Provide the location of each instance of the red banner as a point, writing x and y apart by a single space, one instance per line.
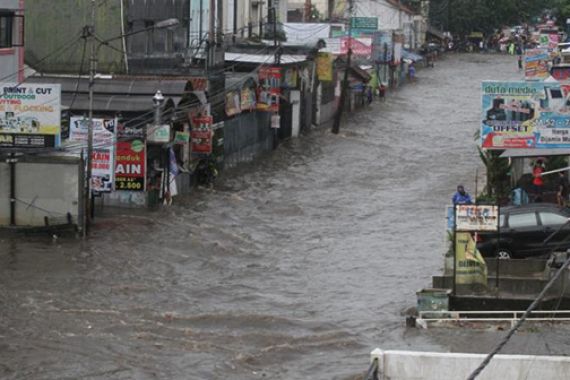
130 165
202 134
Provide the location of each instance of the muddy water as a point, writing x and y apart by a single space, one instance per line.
295 267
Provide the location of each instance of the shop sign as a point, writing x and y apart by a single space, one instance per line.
536 64
525 115
290 78
181 137
549 41
202 135
130 165
30 115
275 121
325 67
476 218
158 134
102 167
470 267
233 103
248 101
364 25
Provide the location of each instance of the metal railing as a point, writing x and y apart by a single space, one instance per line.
372 373
425 317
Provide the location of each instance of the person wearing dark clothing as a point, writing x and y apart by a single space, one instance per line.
461 197
562 194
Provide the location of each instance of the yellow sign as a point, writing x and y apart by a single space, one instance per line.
470 268
325 67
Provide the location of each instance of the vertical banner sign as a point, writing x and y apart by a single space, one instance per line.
470 267
30 115
525 115
325 67
102 158
202 135
269 88
536 64
130 165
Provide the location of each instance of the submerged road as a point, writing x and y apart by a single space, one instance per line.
295 267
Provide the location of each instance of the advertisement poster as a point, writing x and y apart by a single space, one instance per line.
360 46
102 167
536 64
130 165
290 78
470 268
202 135
339 9
477 218
525 115
382 47
30 115
248 99
233 103
269 89
549 41
325 67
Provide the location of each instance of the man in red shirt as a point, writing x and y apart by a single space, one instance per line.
537 181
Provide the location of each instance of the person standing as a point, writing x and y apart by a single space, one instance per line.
520 62
412 72
562 194
537 181
461 197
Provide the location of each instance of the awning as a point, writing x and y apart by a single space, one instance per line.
411 56
263 58
515 153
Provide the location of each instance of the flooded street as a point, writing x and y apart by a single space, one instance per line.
295 267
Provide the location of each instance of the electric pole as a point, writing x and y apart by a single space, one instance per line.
88 193
342 100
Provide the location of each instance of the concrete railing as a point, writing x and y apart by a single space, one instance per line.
410 365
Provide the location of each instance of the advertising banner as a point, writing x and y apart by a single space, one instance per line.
248 100
382 47
130 165
549 41
325 67
360 46
339 9
364 25
476 218
233 103
470 267
30 115
536 64
269 89
102 167
202 135
158 134
525 115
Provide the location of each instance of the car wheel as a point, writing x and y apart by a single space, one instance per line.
503 254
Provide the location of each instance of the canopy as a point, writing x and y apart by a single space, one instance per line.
411 56
535 152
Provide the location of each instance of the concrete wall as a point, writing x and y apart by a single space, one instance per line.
389 17
58 194
11 59
408 365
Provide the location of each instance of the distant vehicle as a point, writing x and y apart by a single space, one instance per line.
523 232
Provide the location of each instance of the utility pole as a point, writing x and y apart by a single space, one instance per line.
212 33
88 194
344 90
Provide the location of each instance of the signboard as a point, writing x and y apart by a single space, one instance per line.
363 25
382 47
476 217
536 64
560 73
30 115
549 41
525 115
130 165
290 78
158 134
470 267
202 135
248 100
181 138
325 67
102 167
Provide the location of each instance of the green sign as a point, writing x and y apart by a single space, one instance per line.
364 23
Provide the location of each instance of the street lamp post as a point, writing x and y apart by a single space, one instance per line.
168 23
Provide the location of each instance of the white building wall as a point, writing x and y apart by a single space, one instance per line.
12 58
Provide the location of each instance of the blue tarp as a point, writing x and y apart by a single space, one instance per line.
406 54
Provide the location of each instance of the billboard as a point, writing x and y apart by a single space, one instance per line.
30 115
382 47
536 64
102 158
525 115
130 165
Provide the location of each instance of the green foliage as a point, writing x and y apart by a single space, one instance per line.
462 17
498 174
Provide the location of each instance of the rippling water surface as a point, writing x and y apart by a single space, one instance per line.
295 267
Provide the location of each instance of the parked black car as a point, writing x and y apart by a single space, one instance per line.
523 232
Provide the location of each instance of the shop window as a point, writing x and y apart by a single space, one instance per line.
6 30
